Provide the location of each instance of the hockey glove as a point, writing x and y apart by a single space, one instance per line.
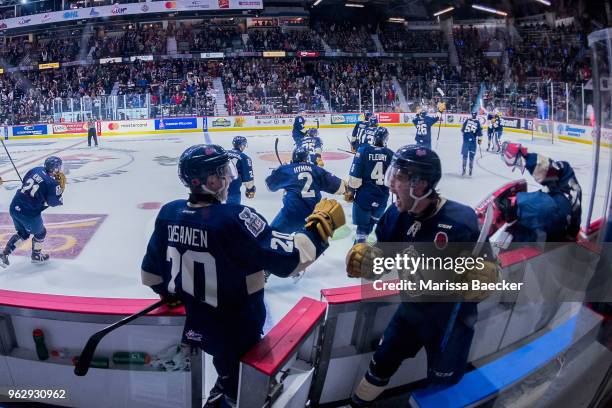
490 273
360 260
60 177
320 162
441 107
172 301
250 193
513 154
326 217
479 140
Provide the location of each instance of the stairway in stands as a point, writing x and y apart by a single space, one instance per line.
220 108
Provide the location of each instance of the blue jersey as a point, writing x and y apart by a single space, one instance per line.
471 129
213 257
38 191
303 183
497 124
367 176
423 126
358 133
244 166
314 145
298 127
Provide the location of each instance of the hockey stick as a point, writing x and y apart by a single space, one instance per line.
87 354
276 151
486 226
2 181
440 122
11 159
346 151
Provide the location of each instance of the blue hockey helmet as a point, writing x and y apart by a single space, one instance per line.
373 121
199 162
239 142
367 115
380 136
423 113
53 164
417 162
312 132
300 154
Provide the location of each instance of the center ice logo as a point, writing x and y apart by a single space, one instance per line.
67 234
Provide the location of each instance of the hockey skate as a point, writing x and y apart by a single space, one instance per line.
39 257
463 172
4 262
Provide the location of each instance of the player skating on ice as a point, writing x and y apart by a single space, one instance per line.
549 215
211 256
244 166
494 132
423 123
303 183
365 137
366 184
313 143
359 129
472 134
420 215
298 131
42 188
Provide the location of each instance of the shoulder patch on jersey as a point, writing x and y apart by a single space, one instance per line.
253 222
357 154
193 336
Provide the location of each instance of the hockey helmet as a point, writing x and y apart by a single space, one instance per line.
53 164
199 162
239 142
300 154
380 136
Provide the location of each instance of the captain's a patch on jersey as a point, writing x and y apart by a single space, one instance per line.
253 222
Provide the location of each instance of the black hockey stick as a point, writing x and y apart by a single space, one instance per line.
11 159
87 354
346 151
441 116
276 151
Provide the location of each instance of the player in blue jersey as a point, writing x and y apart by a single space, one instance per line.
496 129
298 131
366 135
313 143
423 123
359 129
366 184
211 257
42 188
303 183
244 166
550 215
472 134
490 118
420 216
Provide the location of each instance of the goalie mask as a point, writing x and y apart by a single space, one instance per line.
198 163
410 165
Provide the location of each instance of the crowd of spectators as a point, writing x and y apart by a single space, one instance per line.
397 38
207 38
346 36
274 38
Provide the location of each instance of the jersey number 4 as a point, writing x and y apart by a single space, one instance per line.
185 264
378 174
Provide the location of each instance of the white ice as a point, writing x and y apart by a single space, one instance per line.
109 265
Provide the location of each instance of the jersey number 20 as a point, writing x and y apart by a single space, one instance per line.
185 264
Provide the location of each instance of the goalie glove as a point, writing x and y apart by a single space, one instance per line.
326 217
360 260
250 193
60 177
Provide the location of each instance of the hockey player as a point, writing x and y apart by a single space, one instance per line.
420 215
298 131
244 166
366 136
211 256
490 118
496 132
42 188
423 123
366 185
303 183
472 133
359 129
313 143
553 215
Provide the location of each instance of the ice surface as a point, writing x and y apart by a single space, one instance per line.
97 239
